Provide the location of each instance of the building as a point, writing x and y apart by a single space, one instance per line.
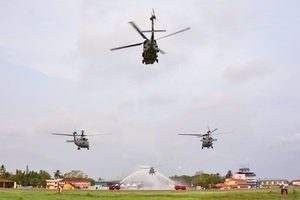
246 174
233 183
68 183
68 186
4 183
272 183
53 183
296 182
78 183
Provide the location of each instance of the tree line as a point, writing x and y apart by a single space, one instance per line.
201 179
38 178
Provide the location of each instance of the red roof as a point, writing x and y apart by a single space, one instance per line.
237 183
78 182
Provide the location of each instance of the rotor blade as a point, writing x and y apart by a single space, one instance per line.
220 133
62 134
153 14
132 45
144 167
96 134
150 31
138 30
193 134
174 33
161 51
214 130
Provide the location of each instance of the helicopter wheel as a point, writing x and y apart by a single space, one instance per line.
202 147
143 61
88 148
212 147
156 60
78 148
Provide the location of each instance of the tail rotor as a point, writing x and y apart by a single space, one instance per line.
153 17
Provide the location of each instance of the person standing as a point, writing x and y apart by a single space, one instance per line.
59 187
284 189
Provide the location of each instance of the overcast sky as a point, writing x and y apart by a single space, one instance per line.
237 69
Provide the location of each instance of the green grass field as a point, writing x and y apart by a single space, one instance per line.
262 194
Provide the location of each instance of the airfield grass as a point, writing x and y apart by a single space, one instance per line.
260 194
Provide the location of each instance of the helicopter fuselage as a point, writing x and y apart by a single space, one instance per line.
207 142
82 143
150 50
151 171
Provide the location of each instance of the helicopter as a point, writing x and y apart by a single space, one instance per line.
207 140
152 171
80 141
150 47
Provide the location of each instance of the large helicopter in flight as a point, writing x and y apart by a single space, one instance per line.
207 139
80 140
150 47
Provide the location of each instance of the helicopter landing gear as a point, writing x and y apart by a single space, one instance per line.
212 147
156 60
202 147
88 148
78 148
143 61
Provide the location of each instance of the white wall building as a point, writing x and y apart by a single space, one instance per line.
246 174
271 183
